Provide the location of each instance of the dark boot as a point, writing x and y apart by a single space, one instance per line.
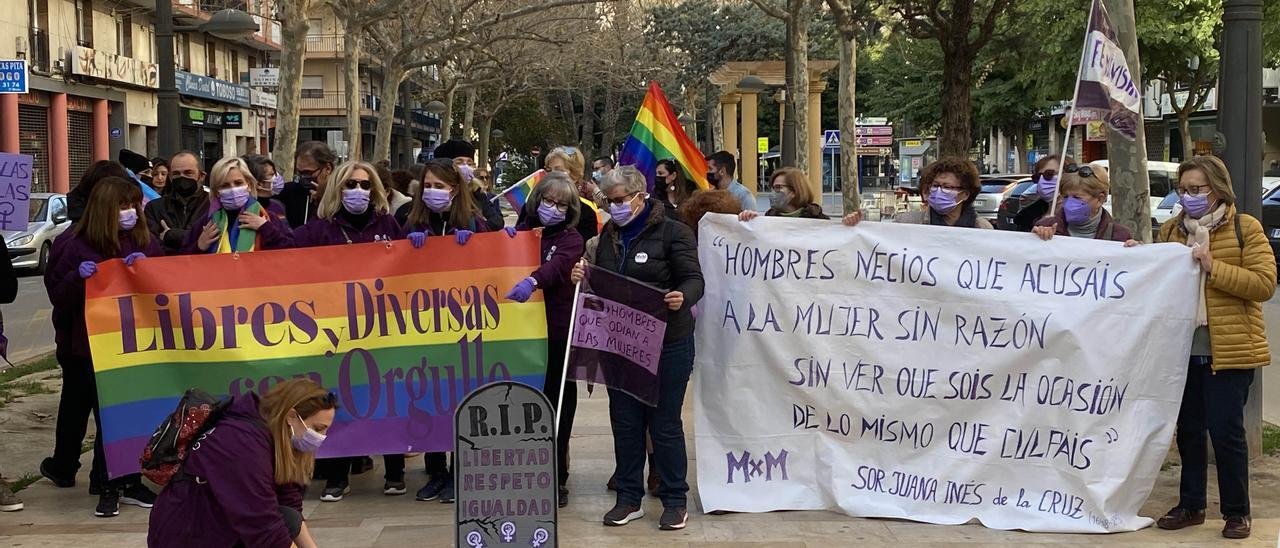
1181 518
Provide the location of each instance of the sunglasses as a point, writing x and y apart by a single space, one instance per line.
1084 171
353 183
1048 173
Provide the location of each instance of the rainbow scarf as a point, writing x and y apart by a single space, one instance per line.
245 239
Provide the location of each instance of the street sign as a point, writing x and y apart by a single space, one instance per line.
913 143
116 133
831 138
505 468
13 76
875 130
264 77
762 145
873 121
15 190
875 141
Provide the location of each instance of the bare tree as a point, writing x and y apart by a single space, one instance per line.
846 17
355 16
796 14
293 37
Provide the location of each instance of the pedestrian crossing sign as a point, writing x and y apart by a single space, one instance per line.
831 138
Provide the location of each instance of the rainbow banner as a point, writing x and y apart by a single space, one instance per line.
400 335
519 193
657 135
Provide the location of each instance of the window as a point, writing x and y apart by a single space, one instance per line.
182 45
235 66
84 22
124 35
38 37
211 58
312 87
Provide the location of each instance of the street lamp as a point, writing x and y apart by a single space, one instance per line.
686 119
752 84
436 107
228 24
496 134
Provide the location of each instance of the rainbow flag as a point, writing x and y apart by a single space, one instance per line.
400 340
519 193
657 135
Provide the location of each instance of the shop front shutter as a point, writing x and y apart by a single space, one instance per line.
80 143
33 129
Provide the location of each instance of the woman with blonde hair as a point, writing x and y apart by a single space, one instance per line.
1081 215
242 482
236 222
1237 274
353 210
569 160
792 197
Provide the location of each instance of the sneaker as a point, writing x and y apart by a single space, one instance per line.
431 491
334 493
446 494
9 502
1180 518
108 504
47 469
394 488
673 519
622 514
1237 527
138 495
564 496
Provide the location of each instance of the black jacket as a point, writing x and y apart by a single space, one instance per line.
1027 216
298 207
670 263
490 210
811 211
178 213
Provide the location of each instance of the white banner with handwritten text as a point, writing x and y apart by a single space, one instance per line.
937 374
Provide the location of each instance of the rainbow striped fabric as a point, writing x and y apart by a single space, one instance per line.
400 335
657 135
519 193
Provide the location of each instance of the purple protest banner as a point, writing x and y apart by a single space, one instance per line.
15 190
617 333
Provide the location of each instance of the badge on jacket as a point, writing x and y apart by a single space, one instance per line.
642 257
550 253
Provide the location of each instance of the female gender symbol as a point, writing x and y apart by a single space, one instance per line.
539 537
508 531
475 539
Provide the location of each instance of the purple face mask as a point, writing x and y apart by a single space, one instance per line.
943 201
234 198
355 200
277 184
1047 187
549 214
437 200
1076 211
128 219
1196 205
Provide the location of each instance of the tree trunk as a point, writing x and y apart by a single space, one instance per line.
469 115
798 94
715 123
610 128
293 33
486 128
848 125
351 79
446 119
589 121
392 75
957 86
1130 186
570 112
1184 129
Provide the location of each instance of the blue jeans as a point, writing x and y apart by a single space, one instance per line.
630 418
1213 410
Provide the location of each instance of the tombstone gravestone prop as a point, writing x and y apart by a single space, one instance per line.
505 468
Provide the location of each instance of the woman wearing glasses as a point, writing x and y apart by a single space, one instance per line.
1237 275
791 197
242 484
352 210
1080 212
952 184
236 221
1045 175
553 208
570 161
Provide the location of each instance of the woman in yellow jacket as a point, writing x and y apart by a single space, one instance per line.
1238 274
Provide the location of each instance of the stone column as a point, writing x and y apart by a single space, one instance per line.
815 137
59 146
729 112
9 127
749 155
101 139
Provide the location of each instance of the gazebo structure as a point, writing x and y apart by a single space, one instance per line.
743 144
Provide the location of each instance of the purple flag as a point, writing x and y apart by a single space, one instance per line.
617 334
1107 91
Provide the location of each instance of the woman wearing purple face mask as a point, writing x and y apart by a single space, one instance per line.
1080 212
951 184
443 205
235 221
1046 176
553 208
352 210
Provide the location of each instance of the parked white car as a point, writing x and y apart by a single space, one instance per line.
29 248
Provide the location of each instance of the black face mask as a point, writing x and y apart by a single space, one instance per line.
183 186
711 178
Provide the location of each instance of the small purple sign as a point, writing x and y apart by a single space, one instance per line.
618 328
15 191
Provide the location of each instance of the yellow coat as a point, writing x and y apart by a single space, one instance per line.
1241 280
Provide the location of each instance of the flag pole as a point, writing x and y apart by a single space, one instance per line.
568 346
1075 97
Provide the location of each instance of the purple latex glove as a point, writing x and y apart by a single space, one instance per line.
511 231
87 269
417 239
132 258
463 236
522 291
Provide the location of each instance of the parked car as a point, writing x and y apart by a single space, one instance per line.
47 219
1012 204
995 188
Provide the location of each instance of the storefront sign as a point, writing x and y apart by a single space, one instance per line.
202 118
264 77
13 76
232 120
1095 130
211 88
116 68
262 99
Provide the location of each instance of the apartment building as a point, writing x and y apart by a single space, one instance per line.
94 77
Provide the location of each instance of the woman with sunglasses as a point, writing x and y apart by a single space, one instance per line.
1080 213
792 197
236 222
1237 274
952 185
553 208
1045 176
242 485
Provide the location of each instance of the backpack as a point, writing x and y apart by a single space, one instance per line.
197 413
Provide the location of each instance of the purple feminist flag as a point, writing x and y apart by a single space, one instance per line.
617 334
1107 90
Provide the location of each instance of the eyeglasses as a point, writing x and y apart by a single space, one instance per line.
1084 171
1048 173
353 183
555 204
956 188
624 199
1197 189
781 188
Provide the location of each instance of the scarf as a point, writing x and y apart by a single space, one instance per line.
1198 231
1087 230
968 217
232 238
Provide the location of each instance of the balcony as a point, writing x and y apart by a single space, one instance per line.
336 100
330 44
38 51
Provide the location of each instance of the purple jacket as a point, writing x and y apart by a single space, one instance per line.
276 234
561 249
339 230
226 491
66 288
1119 232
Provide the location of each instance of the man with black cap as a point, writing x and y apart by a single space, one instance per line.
182 200
463 154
